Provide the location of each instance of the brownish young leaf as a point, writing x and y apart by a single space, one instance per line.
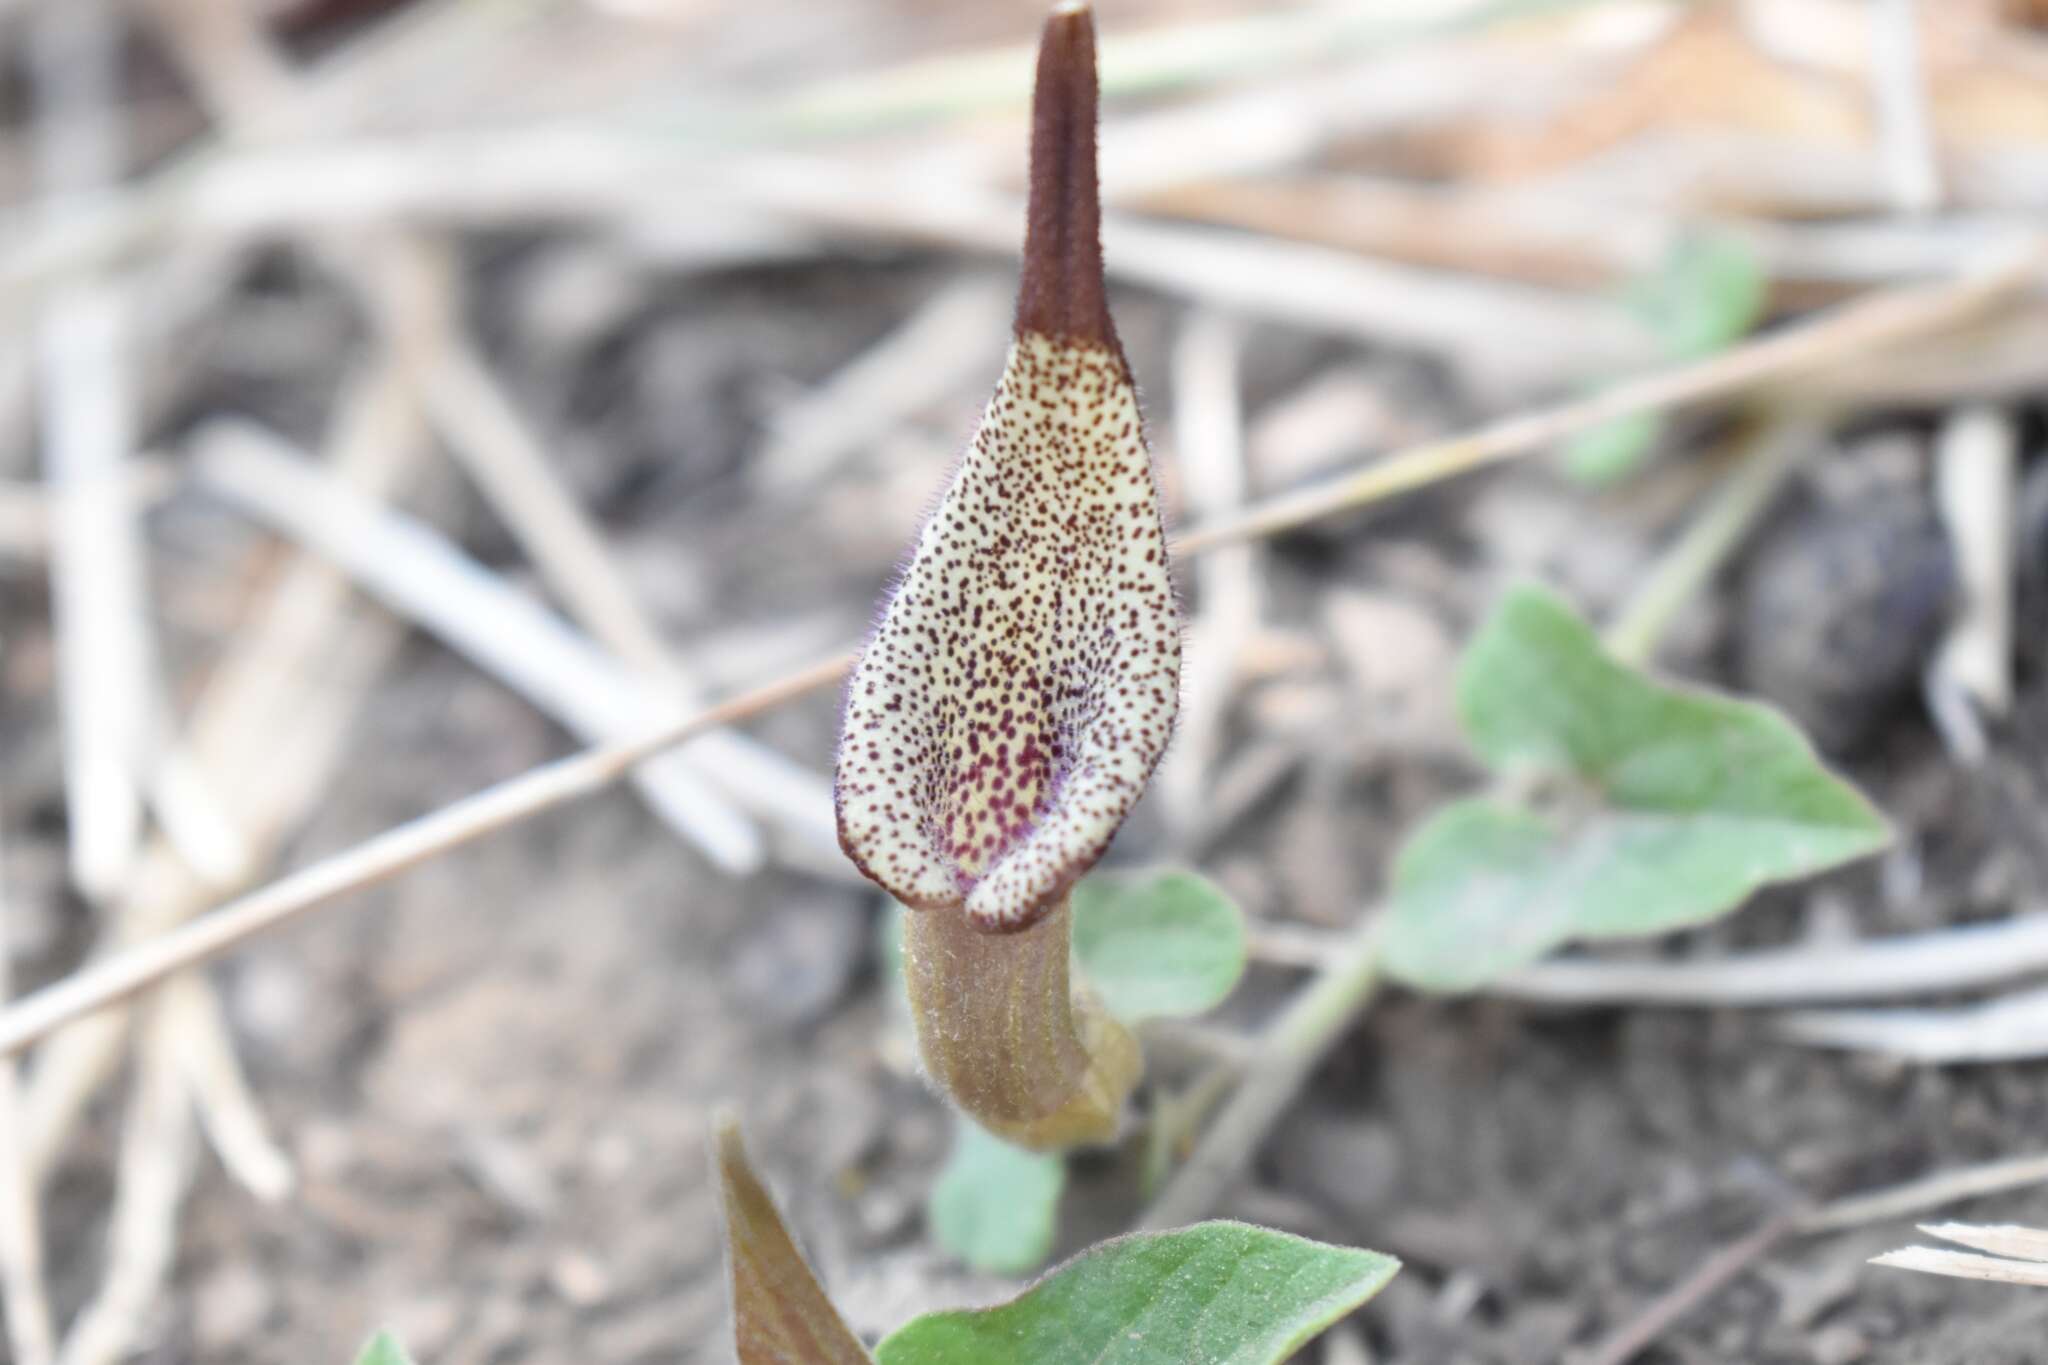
1022 683
780 1313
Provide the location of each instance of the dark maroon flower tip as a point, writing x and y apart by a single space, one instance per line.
1061 294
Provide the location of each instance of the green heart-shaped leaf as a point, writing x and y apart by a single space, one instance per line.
1157 944
1216 1293
1696 800
996 1206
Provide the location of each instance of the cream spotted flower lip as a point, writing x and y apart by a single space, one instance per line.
1022 683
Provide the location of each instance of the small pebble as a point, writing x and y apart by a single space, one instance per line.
1842 607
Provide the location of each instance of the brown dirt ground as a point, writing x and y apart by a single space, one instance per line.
496 1072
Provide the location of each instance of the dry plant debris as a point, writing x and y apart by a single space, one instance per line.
783 225
2007 1255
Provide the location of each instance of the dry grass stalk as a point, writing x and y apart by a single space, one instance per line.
2002 1254
1976 484
424 578
24 1297
1709 171
1868 324
1965 1265
190 814
1171 56
2019 1255
153 1173
1959 958
101 618
1929 1192
24 523
268 728
1208 427
1905 131
1884 319
27 514
501 453
940 347
1519 337
107 666
206 1060
1514 338
245 80
1233 139
2008 1028
1548 235
1689 1293
2000 1239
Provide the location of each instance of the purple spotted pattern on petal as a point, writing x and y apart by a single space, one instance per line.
1022 683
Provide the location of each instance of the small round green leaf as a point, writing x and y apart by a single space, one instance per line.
1707 294
1213 1294
383 1349
996 1206
1613 449
1163 944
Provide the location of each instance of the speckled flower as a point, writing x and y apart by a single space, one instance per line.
1021 685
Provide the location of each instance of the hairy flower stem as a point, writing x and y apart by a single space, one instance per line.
1007 1035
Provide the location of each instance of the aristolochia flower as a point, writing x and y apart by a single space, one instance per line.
1022 683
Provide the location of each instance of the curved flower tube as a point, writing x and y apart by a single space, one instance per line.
1006 1034
1022 682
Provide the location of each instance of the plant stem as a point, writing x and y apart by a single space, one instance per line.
1292 1047
1773 452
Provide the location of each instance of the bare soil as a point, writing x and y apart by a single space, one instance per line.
496 1072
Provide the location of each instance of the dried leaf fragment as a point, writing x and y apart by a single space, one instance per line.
2004 1254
